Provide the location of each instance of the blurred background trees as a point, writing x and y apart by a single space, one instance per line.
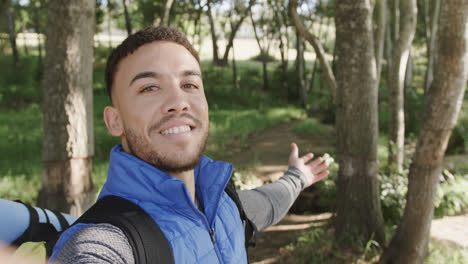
388 76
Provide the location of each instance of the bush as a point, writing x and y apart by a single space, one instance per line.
451 198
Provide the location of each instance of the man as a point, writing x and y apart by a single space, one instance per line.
160 112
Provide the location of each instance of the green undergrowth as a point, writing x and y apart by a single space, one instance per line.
316 245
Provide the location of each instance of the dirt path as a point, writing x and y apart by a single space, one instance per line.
266 157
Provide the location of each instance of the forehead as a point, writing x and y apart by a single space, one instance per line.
160 56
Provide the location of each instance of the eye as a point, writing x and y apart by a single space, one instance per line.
189 86
149 88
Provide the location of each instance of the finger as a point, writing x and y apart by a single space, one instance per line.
307 157
294 151
321 176
316 162
319 168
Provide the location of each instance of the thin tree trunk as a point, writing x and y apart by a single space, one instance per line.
109 19
380 35
128 21
408 74
400 57
444 100
310 83
359 215
234 32
284 64
68 143
329 76
300 70
10 21
214 38
167 9
37 29
263 54
431 47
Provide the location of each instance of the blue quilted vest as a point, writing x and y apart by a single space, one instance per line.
217 236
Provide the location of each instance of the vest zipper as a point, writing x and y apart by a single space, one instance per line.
215 246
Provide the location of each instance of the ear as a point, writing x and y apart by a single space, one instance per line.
113 121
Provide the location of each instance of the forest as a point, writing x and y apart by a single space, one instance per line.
376 86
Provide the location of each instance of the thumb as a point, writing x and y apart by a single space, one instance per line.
294 151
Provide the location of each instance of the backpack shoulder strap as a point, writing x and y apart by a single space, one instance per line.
37 231
250 229
148 242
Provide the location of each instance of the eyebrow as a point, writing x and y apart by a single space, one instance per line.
146 74
150 74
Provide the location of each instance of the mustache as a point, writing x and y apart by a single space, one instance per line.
158 124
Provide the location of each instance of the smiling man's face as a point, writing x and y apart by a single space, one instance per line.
160 110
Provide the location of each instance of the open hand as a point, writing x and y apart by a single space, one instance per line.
314 170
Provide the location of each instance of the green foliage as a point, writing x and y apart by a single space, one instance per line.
451 198
393 190
263 57
440 252
19 85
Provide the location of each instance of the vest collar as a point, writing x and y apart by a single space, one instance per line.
134 179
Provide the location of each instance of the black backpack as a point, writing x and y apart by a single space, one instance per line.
141 230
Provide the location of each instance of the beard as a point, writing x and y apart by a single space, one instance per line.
165 160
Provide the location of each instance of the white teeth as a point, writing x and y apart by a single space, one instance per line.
176 130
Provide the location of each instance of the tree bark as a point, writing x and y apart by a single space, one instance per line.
36 5
10 22
444 100
329 76
382 15
237 25
263 54
214 38
431 47
68 143
167 9
401 51
284 62
300 70
128 21
359 215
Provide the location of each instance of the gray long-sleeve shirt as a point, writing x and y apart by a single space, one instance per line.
105 243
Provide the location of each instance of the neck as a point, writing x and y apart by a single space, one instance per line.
188 177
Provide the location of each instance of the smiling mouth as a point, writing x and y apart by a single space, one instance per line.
176 130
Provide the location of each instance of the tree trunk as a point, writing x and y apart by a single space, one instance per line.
68 143
37 29
431 47
380 35
408 74
10 21
167 9
128 22
237 25
284 63
109 19
329 76
214 38
359 215
263 54
234 71
300 70
444 100
400 57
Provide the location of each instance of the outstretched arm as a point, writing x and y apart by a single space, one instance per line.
268 204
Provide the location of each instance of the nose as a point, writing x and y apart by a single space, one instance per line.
176 101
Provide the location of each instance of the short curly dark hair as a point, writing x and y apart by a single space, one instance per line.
138 39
